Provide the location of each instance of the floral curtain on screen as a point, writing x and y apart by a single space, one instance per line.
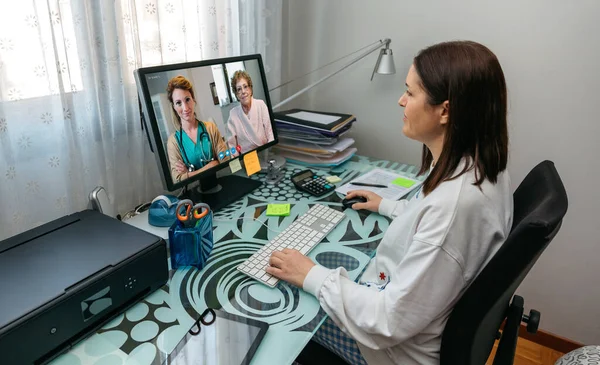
69 118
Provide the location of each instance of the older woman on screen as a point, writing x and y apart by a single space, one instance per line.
249 124
196 145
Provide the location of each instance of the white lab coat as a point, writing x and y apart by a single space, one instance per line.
431 252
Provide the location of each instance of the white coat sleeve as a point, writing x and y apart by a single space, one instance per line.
419 290
421 287
392 208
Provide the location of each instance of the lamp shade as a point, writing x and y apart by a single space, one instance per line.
386 65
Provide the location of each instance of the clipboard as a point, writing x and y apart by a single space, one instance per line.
323 121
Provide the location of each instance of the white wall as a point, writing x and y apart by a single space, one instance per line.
550 53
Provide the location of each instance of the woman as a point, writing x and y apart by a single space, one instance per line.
437 243
196 145
249 123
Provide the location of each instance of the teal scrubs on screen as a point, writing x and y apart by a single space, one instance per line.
194 151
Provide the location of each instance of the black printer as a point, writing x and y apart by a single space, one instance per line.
61 281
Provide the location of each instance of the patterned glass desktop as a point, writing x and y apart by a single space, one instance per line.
158 322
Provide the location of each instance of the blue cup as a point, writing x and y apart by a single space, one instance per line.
191 245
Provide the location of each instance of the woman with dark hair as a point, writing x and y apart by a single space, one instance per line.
439 241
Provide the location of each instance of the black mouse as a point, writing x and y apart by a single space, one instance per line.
347 203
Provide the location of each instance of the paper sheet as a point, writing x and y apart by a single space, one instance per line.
339 146
394 190
314 160
314 117
235 165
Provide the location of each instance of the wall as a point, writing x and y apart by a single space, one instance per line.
550 54
205 107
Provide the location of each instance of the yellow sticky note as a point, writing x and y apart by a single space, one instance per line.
235 165
278 209
405 183
251 162
333 179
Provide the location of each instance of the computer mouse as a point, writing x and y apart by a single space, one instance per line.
347 203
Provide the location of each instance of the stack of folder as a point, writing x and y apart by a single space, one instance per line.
314 138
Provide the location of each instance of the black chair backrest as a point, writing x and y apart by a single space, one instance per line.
540 203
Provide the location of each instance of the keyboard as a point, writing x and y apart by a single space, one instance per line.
303 235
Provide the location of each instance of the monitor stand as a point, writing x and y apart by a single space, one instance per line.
265 156
222 191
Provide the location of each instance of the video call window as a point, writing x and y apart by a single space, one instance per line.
209 114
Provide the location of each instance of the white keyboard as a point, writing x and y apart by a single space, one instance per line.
303 235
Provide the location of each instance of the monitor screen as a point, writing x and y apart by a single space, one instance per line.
202 115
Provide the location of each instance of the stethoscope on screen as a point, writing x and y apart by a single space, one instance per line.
206 152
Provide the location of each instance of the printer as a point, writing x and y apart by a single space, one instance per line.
63 280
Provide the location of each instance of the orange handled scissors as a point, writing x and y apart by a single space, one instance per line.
189 214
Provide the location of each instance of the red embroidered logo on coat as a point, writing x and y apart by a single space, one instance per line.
382 275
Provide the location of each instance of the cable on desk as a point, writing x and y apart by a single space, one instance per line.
137 210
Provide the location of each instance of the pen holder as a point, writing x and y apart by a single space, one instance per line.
191 245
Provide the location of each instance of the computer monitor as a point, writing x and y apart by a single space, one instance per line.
197 122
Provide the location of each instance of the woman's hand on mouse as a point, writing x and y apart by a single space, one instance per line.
372 203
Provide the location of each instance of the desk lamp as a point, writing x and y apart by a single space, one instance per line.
384 66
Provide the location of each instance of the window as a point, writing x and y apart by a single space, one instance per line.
221 84
222 78
38 50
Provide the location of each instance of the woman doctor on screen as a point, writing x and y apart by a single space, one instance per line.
438 242
249 124
196 145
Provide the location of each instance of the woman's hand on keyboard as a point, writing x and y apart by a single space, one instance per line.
290 265
372 203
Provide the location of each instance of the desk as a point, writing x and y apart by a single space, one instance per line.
159 321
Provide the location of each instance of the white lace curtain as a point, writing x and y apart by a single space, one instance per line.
69 118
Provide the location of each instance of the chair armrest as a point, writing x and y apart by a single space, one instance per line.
505 355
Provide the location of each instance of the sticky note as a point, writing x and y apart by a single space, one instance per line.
333 179
278 209
405 183
235 165
251 162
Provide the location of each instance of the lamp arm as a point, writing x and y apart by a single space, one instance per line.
328 64
385 42
377 63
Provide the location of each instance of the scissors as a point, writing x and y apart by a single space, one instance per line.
189 214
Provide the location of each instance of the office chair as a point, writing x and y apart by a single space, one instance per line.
540 203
